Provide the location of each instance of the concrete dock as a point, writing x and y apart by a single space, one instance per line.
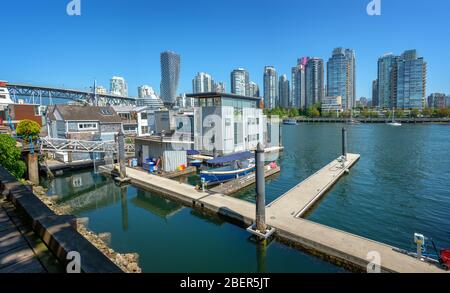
302 197
285 215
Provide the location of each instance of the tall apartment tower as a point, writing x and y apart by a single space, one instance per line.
118 86
341 76
284 91
314 81
240 82
271 98
202 83
170 76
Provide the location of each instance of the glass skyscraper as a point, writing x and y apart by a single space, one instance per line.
341 76
386 75
170 76
240 82
298 84
411 74
271 99
284 92
118 86
314 81
254 90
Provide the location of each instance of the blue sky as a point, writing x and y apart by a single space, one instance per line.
41 44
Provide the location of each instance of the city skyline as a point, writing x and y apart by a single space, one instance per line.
60 58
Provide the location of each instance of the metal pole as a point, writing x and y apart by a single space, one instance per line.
121 142
260 190
344 143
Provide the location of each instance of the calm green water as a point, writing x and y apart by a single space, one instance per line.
400 186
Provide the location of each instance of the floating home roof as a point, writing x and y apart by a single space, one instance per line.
85 113
224 95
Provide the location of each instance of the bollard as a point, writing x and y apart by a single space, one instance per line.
260 190
121 142
344 143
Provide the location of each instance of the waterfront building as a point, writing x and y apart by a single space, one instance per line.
227 122
387 68
101 90
88 123
363 102
240 82
438 101
118 86
5 101
284 91
202 83
170 76
375 101
332 104
314 81
298 85
271 98
411 76
134 119
341 76
254 90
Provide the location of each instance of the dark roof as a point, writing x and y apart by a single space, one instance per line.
231 158
225 95
104 114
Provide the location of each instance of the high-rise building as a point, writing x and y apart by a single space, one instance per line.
219 87
240 82
254 90
314 81
284 91
386 73
271 99
341 76
411 76
202 83
170 75
145 91
118 86
438 101
375 101
298 84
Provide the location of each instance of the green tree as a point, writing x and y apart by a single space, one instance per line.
312 112
10 156
27 128
427 112
415 113
293 112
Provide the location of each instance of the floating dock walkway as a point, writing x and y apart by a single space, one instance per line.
285 214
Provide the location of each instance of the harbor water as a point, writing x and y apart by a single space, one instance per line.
401 185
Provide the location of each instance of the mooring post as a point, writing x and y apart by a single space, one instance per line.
344 143
260 190
121 142
32 164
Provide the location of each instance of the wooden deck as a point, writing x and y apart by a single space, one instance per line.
20 250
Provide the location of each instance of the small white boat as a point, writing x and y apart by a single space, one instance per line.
394 123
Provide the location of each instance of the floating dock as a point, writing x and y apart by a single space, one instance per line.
285 215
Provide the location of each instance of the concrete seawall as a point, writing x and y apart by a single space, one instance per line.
57 232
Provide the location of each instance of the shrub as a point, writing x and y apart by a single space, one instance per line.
10 156
27 128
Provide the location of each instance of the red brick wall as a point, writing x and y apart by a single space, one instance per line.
22 112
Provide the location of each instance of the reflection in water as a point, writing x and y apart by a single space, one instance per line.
156 204
124 204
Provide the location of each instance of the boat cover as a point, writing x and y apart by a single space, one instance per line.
231 158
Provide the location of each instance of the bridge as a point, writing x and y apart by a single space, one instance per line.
80 146
38 92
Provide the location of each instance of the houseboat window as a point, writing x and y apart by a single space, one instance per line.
87 126
143 116
144 129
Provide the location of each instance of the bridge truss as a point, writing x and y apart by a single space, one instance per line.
39 92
